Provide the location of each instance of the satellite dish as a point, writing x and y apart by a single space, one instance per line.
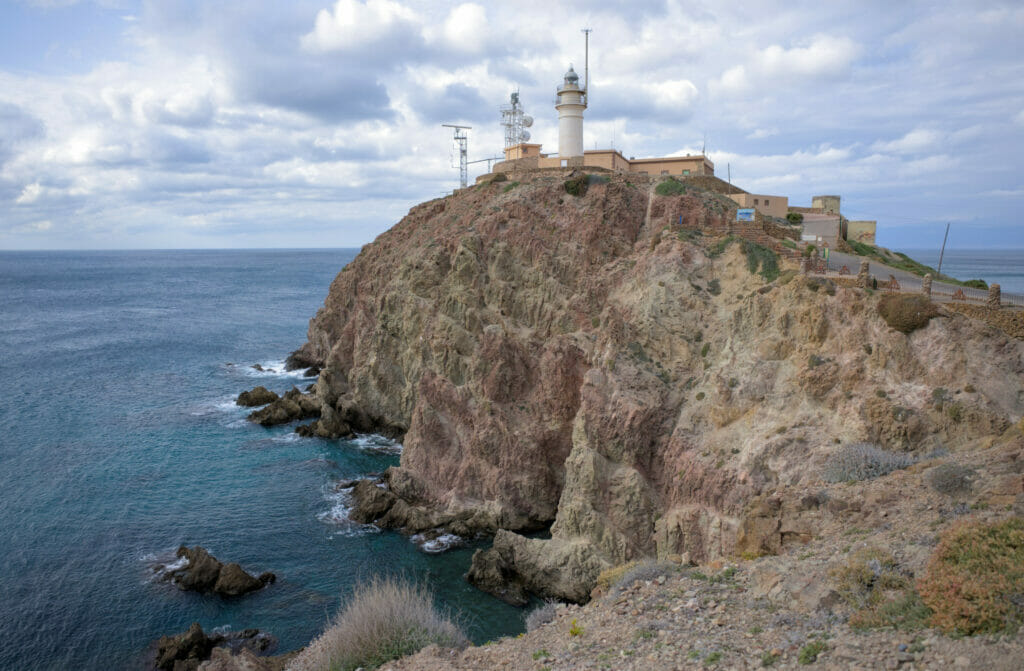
527 121
524 136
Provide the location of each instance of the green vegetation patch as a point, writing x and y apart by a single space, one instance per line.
510 186
795 218
670 187
761 260
577 186
881 595
974 581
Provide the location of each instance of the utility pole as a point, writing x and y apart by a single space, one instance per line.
943 252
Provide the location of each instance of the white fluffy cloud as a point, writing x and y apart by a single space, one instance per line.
324 115
352 25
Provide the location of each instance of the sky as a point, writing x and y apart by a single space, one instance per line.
317 123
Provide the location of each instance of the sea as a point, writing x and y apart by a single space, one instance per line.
1004 267
121 441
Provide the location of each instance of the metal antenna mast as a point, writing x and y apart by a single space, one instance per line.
586 64
463 139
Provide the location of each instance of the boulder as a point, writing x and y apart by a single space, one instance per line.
301 358
256 396
234 581
183 652
241 651
204 573
290 407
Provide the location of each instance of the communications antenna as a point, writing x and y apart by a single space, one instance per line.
586 64
463 139
515 122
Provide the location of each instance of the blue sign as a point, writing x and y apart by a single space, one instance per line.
745 214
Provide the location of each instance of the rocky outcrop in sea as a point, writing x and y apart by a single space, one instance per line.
202 572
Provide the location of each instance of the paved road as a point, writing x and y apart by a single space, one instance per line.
881 271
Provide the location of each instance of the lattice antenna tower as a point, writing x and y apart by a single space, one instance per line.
462 138
515 122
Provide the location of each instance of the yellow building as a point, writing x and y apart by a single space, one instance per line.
528 156
769 206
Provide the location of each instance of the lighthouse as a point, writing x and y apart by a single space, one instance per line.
571 103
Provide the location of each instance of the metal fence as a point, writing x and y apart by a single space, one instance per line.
940 292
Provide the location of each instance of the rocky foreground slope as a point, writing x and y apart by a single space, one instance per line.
608 365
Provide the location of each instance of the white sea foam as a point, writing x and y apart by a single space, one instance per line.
437 545
337 515
289 437
271 369
371 442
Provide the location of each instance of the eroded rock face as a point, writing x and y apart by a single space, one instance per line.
204 573
588 362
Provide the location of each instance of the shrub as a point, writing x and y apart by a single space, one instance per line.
789 243
611 576
541 615
510 186
763 258
951 479
794 217
974 581
809 653
881 596
809 250
576 186
906 313
976 284
720 246
499 177
670 187
646 570
385 619
863 461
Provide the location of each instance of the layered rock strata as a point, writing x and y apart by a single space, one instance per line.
610 366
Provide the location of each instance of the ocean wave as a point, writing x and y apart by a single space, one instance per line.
163 564
436 544
371 442
340 500
273 368
220 406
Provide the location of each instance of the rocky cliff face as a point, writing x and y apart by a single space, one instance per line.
591 362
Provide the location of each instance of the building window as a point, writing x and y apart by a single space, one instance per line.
755 201
565 162
664 172
686 172
766 202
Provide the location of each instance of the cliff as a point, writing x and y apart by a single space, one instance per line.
609 365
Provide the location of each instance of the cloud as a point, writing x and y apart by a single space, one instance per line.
29 194
914 142
353 25
466 28
824 55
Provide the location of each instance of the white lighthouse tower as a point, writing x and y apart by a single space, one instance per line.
571 103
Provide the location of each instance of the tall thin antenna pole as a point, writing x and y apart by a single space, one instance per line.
586 64
943 252
728 166
463 139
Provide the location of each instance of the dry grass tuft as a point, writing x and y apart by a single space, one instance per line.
881 595
907 313
541 615
385 619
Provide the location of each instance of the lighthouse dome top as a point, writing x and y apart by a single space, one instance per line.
571 78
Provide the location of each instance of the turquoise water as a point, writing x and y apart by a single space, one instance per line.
121 442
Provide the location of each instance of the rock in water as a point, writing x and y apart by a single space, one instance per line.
204 573
228 652
183 652
302 358
256 396
290 407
